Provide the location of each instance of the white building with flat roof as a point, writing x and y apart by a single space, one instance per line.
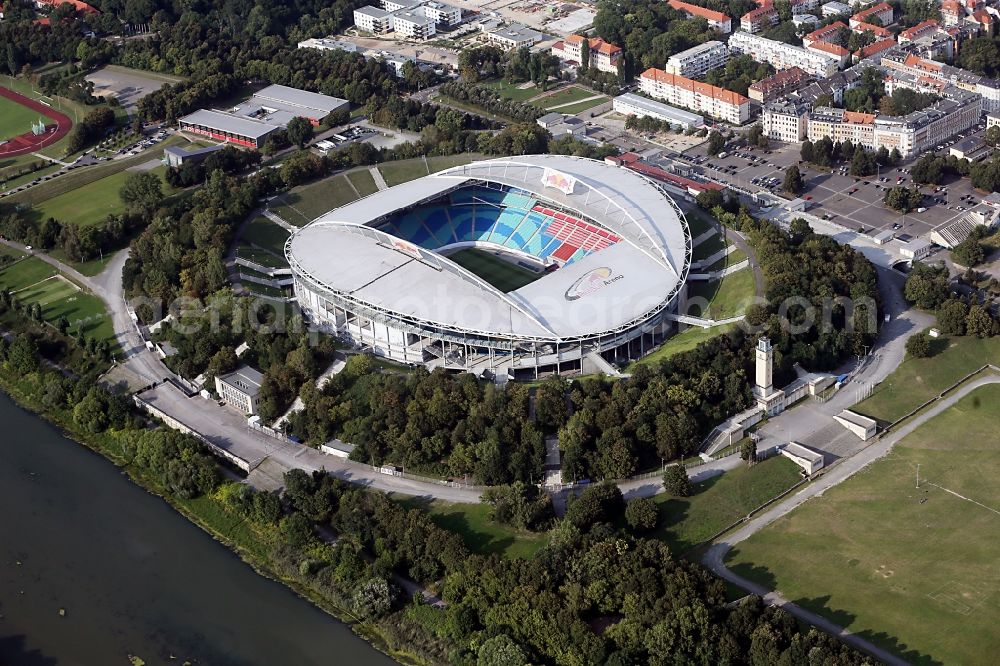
631 104
513 36
696 61
413 24
240 388
786 121
328 44
781 55
373 19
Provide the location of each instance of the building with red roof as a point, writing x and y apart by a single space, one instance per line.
699 97
80 7
601 55
716 20
758 19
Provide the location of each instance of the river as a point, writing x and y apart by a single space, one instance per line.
134 576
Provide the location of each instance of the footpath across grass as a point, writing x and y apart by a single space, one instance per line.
913 570
686 522
917 380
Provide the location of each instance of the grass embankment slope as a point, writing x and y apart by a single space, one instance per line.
913 570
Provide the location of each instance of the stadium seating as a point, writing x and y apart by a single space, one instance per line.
513 219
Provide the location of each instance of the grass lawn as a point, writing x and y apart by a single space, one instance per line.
262 258
917 380
697 223
686 522
442 162
92 203
566 95
302 205
503 275
15 119
708 247
512 91
18 181
363 181
264 233
35 281
573 109
911 570
402 171
90 268
731 259
726 298
685 341
480 534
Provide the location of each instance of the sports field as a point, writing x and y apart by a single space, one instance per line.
16 119
913 570
501 274
34 281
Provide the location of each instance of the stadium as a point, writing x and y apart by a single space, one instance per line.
510 268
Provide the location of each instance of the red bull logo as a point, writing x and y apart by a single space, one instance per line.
592 281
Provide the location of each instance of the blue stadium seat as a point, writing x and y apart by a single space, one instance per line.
486 218
579 254
463 223
437 222
411 229
508 221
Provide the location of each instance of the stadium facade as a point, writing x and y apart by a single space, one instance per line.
603 253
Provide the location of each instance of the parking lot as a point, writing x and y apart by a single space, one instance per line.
853 203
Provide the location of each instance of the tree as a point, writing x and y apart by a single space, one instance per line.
903 199
952 316
299 131
748 452
501 650
600 503
793 180
918 346
716 142
23 355
373 598
992 136
980 323
806 153
970 252
642 514
926 286
676 481
142 191
862 163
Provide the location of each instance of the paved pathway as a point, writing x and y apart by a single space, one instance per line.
715 556
379 180
579 101
280 221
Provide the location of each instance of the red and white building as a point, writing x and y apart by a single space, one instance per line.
601 55
759 19
716 20
694 95
882 11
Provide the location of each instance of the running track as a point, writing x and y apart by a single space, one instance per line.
28 142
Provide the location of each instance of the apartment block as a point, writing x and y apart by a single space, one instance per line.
601 55
781 55
373 19
882 11
695 95
716 20
778 85
697 61
759 19
785 121
413 24
840 125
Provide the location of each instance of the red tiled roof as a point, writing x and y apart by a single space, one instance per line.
919 29
874 9
858 118
77 5
878 47
707 14
826 32
721 94
781 79
759 13
876 30
826 47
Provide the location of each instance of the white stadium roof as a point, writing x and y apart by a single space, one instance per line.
636 277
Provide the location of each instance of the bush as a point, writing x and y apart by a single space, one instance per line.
918 346
642 514
676 481
602 503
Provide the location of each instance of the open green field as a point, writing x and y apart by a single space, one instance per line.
731 259
567 95
728 297
697 223
15 119
264 233
301 205
686 522
258 256
685 341
917 380
503 275
913 570
92 203
34 281
573 109
442 162
481 535
402 171
512 91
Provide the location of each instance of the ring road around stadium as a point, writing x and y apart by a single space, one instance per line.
511 268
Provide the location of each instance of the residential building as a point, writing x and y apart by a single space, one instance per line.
778 85
837 51
882 11
920 131
631 104
781 55
442 14
696 61
829 34
876 48
831 9
696 96
832 87
786 121
992 119
413 24
922 68
601 55
923 28
804 21
840 125
373 19
759 19
240 388
399 5
716 20
513 36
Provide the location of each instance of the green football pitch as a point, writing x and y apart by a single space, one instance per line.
503 275
15 119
